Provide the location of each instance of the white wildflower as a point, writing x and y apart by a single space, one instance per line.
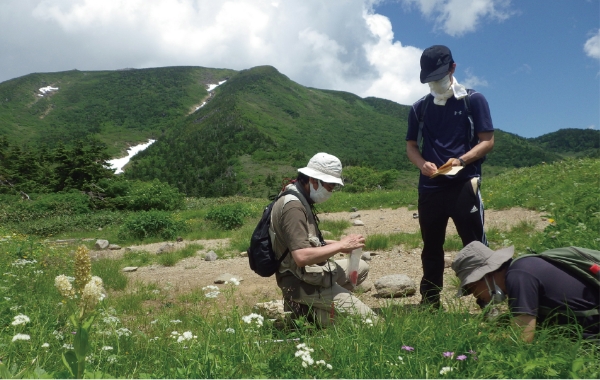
230 330
64 286
111 320
214 294
58 335
234 281
123 331
20 337
445 370
175 321
329 366
368 321
15 308
112 359
93 292
107 348
210 287
20 319
45 345
68 346
23 262
253 317
154 321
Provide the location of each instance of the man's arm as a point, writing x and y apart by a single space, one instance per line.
485 145
526 323
426 167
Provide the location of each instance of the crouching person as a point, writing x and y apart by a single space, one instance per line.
552 287
313 284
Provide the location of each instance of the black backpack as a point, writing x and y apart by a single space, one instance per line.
262 258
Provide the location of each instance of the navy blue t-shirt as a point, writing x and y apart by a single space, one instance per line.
532 282
446 132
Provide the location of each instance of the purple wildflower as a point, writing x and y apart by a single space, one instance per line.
461 357
448 354
408 348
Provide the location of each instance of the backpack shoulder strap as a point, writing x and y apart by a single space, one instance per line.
467 100
424 104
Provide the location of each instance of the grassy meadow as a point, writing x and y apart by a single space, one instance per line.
55 328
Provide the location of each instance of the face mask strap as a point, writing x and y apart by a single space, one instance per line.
497 296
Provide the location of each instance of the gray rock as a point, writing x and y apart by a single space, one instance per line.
395 285
130 269
114 247
358 222
354 209
210 256
244 254
226 277
101 244
447 262
169 247
366 255
355 215
365 286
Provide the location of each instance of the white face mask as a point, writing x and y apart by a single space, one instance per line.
497 294
440 86
320 195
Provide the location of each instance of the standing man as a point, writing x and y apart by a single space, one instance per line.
312 283
451 125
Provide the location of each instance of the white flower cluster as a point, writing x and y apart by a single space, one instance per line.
234 281
256 318
229 330
107 348
445 370
20 337
175 321
93 292
123 331
183 337
20 319
111 320
58 335
368 322
64 286
304 353
23 262
212 291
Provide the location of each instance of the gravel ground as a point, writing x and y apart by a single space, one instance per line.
195 273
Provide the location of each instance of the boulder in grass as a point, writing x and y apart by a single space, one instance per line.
210 256
395 285
101 244
114 247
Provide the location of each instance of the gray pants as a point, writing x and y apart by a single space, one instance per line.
328 302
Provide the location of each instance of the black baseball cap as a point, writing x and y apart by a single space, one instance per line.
435 63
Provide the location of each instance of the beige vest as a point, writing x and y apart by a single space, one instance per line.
312 274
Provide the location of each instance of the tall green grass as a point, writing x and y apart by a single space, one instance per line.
143 331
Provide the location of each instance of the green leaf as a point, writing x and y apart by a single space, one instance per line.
70 361
81 343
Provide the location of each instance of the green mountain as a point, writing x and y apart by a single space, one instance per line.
571 142
116 106
255 129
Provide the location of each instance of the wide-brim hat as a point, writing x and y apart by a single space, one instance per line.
325 167
476 260
435 63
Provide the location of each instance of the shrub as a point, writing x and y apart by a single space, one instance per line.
229 216
152 224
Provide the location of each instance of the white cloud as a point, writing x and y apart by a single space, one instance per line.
473 81
592 46
339 45
457 17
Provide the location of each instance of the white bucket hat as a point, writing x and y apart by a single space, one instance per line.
476 260
325 167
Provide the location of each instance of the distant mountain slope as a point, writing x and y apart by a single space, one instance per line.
117 106
570 142
258 127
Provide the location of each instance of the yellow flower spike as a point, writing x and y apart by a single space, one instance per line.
550 220
83 268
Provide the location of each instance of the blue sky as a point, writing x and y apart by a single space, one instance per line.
537 62
532 65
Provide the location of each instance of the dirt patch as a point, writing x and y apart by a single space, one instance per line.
194 273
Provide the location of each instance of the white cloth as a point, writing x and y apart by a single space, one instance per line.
440 96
